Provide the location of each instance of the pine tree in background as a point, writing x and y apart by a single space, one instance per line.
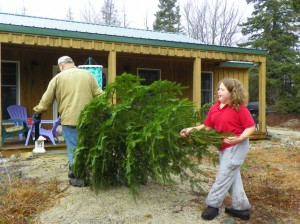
296 6
274 26
168 17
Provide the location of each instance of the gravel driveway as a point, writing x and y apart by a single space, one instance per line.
155 204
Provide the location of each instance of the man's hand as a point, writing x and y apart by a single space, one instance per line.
36 118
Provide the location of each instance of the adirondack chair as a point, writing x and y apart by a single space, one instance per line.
19 128
51 134
18 112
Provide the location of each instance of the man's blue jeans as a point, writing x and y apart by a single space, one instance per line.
70 136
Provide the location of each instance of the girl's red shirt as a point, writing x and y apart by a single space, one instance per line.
228 120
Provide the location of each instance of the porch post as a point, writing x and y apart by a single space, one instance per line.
0 94
112 70
197 83
262 96
112 64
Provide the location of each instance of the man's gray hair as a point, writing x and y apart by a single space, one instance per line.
64 59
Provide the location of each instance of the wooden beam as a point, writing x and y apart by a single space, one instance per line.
1 94
197 82
112 66
262 97
112 70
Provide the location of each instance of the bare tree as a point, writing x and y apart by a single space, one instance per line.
124 22
90 14
146 21
23 9
212 22
110 13
69 15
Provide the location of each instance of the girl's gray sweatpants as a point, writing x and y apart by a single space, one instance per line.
229 179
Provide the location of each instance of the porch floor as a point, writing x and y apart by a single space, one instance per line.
15 146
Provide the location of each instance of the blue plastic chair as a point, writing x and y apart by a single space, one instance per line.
18 127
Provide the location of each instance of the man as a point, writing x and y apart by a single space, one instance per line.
73 89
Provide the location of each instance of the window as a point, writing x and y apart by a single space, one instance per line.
9 86
206 88
150 75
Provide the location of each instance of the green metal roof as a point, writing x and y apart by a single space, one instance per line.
89 31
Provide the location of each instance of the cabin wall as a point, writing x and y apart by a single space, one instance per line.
37 63
172 69
242 74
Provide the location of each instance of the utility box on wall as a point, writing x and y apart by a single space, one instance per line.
96 70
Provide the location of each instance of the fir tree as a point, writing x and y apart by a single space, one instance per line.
274 25
138 137
168 17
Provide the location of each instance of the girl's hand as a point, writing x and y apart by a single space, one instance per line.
186 131
232 140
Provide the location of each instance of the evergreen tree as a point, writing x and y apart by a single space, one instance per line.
138 137
296 5
168 17
274 25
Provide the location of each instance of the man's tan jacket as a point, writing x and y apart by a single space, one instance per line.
73 89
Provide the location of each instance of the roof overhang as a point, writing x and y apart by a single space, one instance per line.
122 39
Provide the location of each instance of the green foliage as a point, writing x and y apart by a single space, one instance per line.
296 6
203 112
138 137
274 26
287 105
168 17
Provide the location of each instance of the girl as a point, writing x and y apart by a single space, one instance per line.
229 115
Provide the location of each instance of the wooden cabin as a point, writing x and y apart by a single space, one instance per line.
30 47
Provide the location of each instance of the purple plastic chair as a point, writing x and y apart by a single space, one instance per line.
18 112
51 134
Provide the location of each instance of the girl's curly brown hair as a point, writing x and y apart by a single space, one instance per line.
237 93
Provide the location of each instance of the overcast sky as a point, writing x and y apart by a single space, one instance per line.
136 10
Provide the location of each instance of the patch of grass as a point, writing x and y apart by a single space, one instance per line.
272 181
25 198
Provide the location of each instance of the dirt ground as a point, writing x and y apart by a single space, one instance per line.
42 194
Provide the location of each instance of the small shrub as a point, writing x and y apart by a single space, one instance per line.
287 106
